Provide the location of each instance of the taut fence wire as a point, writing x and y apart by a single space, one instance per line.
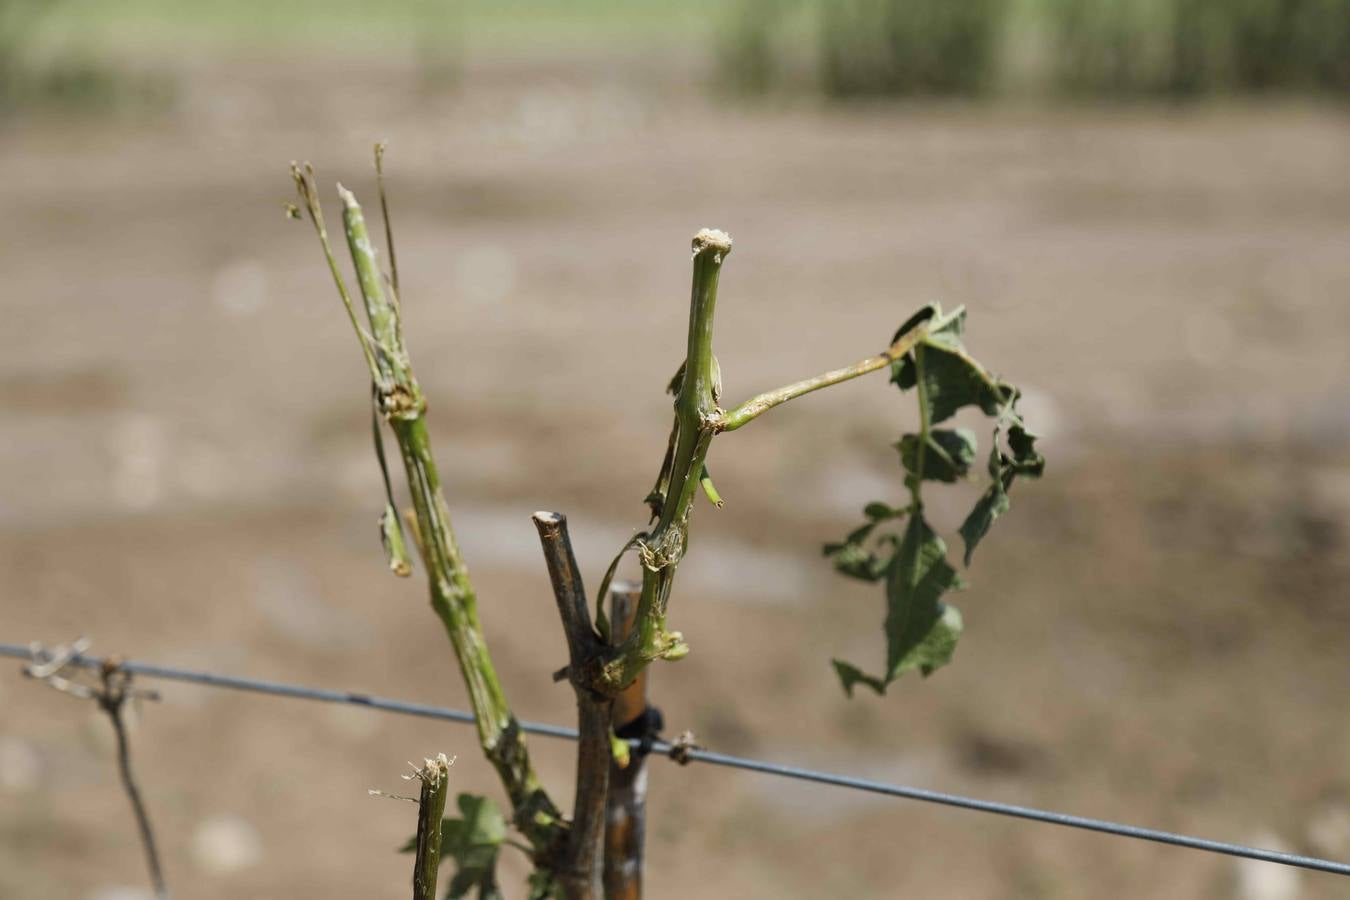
684 752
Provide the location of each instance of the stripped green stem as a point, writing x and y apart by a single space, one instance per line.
452 594
925 427
696 416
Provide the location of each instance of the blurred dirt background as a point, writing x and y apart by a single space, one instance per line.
1156 633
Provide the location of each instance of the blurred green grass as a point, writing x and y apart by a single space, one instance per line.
356 24
1091 48
836 48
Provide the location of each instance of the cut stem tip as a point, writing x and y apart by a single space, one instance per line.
711 239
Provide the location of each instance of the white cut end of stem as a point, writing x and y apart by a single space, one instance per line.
348 198
544 517
712 239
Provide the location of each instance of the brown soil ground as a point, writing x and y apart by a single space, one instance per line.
1157 633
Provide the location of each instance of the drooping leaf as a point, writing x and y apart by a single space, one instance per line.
1026 460
951 378
473 840
1023 461
921 630
947 454
992 504
852 557
919 576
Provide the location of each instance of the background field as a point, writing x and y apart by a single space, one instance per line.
1157 634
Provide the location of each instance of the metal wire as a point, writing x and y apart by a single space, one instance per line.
691 754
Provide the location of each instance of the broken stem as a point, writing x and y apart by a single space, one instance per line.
579 870
435 778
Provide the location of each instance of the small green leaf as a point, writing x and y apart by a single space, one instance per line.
852 558
880 512
851 675
989 507
1026 461
946 457
1004 469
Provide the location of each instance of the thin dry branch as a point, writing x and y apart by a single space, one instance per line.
111 696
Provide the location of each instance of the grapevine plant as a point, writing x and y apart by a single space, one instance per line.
895 545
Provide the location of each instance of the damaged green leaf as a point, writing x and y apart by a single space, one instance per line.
921 629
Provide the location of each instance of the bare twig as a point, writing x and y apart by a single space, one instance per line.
111 696
580 869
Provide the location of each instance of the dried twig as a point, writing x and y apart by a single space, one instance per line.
111 696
